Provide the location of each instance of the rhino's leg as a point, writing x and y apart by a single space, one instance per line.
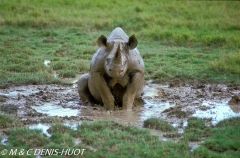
83 89
100 90
134 90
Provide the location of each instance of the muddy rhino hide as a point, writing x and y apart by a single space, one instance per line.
116 74
118 92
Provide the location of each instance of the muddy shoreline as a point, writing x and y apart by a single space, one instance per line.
175 102
38 106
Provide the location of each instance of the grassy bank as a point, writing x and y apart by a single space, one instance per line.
209 23
110 139
178 40
24 50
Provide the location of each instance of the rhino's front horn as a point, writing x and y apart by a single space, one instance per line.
118 55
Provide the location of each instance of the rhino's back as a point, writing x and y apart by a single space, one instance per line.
118 34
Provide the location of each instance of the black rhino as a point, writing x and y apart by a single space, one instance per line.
116 73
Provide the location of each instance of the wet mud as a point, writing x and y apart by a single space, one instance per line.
38 105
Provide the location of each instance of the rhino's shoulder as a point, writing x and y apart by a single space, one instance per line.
118 34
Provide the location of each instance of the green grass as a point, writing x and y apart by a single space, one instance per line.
223 142
25 138
7 122
23 59
225 136
100 139
125 141
196 130
229 63
188 40
170 22
158 124
110 139
60 135
187 63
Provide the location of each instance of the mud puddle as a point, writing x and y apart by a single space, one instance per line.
55 110
37 105
43 127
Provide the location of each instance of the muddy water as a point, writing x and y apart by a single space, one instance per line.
37 105
52 109
43 127
175 103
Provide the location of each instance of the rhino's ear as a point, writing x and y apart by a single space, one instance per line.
132 42
102 41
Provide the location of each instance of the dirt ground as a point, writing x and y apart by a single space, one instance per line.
37 106
175 102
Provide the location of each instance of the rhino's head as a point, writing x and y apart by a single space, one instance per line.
116 63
